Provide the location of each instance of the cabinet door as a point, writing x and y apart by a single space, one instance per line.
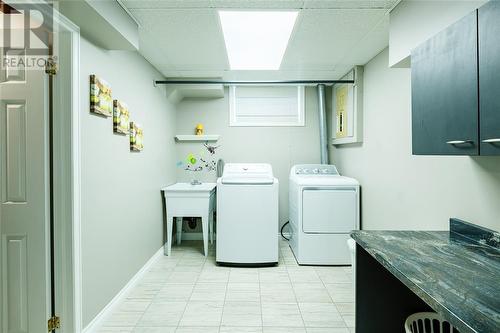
489 78
445 92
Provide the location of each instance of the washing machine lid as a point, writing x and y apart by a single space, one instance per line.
247 173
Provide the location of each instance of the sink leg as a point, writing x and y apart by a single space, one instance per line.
204 224
178 222
170 222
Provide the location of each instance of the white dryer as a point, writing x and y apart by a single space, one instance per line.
324 208
247 215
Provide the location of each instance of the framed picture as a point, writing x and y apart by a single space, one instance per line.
101 102
121 116
136 137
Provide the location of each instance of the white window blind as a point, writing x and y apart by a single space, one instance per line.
266 106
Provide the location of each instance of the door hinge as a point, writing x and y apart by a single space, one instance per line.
53 323
51 68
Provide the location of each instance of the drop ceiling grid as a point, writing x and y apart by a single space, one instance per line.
349 4
258 4
323 38
188 39
370 45
184 38
203 4
262 4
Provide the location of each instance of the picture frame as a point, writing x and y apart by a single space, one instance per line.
101 102
136 137
121 117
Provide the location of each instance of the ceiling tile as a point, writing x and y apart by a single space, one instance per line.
162 4
324 37
188 39
368 47
258 4
349 4
243 4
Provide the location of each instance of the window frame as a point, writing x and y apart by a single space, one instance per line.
233 122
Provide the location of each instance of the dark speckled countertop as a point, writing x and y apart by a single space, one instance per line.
456 275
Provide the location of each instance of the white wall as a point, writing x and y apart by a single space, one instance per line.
280 146
109 26
414 21
401 191
122 214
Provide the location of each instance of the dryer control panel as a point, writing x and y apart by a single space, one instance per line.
316 169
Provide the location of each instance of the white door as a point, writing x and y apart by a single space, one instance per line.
24 236
329 210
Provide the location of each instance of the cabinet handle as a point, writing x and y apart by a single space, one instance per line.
496 140
460 142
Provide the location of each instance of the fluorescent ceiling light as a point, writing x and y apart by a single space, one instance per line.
256 40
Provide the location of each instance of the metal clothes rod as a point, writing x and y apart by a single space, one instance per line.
295 82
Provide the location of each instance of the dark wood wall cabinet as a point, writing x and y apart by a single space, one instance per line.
489 77
455 79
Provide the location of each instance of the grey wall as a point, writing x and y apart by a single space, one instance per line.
121 201
401 191
280 146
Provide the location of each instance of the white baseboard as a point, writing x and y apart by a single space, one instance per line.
189 236
96 323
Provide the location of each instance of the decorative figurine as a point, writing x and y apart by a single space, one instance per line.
199 129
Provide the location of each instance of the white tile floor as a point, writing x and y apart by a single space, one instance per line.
187 292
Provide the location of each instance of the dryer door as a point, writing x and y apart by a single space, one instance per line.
332 210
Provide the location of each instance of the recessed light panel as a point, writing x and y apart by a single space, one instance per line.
256 40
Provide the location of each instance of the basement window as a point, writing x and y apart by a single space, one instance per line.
266 106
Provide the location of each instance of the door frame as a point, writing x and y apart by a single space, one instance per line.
67 184
67 166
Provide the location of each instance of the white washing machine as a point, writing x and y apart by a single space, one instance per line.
247 215
324 208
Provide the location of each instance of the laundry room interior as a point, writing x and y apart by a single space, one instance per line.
303 166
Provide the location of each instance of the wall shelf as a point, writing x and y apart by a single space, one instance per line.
196 138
